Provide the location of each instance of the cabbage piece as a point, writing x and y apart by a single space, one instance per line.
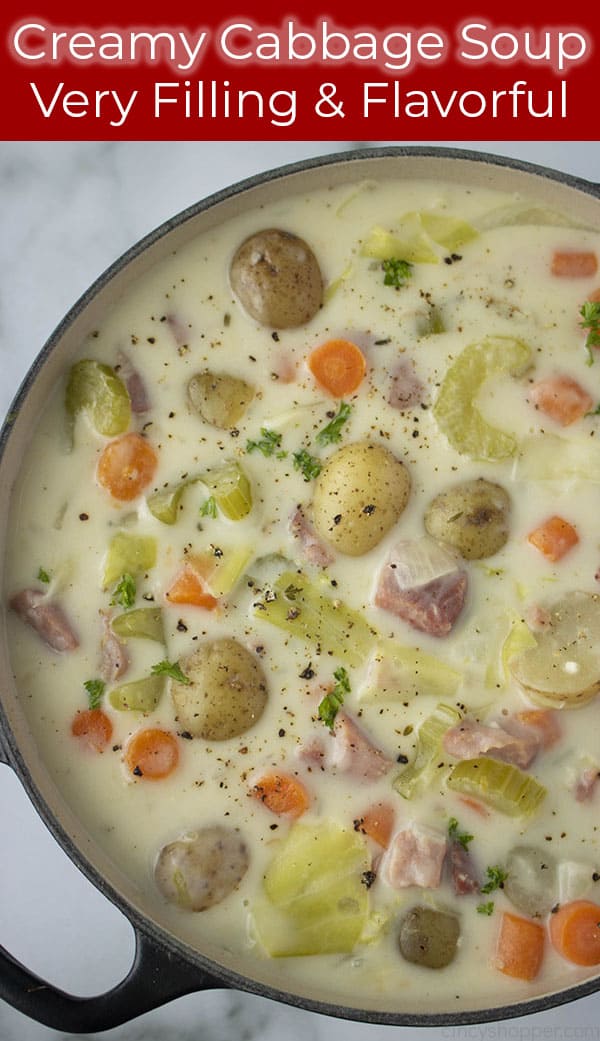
95 388
408 242
128 554
547 457
145 623
400 672
315 897
449 232
500 785
520 213
418 774
139 695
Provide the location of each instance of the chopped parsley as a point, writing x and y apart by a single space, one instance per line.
487 908
43 576
590 319
125 591
496 878
458 836
172 669
333 431
95 692
396 272
268 445
332 702
309 464
209 507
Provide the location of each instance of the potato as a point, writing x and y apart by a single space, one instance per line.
227 693
277 278
219 399
473 517
358 496
201 868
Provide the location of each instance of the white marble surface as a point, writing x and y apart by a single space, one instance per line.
68 210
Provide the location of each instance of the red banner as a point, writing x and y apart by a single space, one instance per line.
436 73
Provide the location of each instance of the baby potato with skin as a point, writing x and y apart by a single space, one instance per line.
359 495
473 517
277 278
226 692
200 869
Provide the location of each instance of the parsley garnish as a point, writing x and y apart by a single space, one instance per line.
269 444
496 878
396 272
309 464
172 669
332 702
125 591
458 836
486 908
209 507
333 431
590 319
95 690
43 576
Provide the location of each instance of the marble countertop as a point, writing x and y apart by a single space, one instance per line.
69 209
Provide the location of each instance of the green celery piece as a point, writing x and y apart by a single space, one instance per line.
231 489
500 785
311 616
332 287
419 773
315 901
449 232
139 695
145 623
164 504
221 574
455 409
95 388
128 554
430 324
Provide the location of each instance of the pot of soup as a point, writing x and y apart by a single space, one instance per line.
301 615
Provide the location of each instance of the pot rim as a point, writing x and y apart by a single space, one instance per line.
221 975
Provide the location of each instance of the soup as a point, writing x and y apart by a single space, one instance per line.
302 572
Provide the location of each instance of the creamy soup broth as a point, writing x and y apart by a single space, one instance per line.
183 318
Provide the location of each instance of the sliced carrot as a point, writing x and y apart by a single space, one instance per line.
520 947
152 753
575 932
188 588
126 466
339 366
594 297
554 538
561 398
571 263
93 728
544 722
377 822
473 804
282 794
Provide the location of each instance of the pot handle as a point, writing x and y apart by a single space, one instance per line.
156 977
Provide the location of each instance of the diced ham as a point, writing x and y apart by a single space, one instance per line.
585 785
315 551
414 857
114 660
462 870
346 750
469 739
406 390
424 583
181 331
136 388
46 617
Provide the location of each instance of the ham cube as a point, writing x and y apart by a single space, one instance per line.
414 857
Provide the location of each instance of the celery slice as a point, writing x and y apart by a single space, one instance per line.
315 899
231 489
500 785
420 772
332 287
128 554
96 389
164 504
455 410
221 571
139 695
145 623
297 606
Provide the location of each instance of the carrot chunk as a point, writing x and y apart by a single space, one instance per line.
561 398
377 822
594 296
188 588
126 466
152 753
93 728
520 947
282 794
339 366
575 932
571 263
554 538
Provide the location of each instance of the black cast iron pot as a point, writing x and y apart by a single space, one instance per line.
165 967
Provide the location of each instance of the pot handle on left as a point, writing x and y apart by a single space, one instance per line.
155 978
